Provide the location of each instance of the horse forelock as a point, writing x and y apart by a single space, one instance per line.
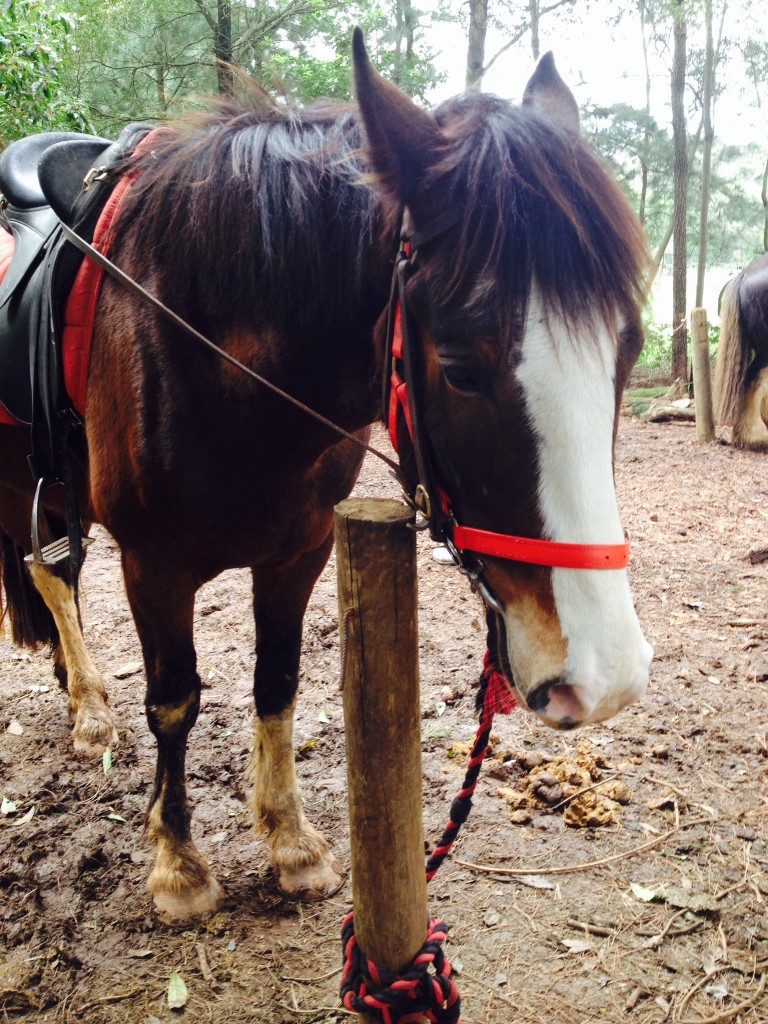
269 201
536 203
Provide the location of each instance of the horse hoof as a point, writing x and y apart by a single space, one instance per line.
189 905
92 734
312 882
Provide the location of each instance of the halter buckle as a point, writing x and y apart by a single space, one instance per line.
474 571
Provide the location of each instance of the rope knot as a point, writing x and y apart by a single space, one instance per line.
424 989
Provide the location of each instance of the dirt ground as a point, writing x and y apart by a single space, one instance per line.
670 925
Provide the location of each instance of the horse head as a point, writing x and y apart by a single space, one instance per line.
523 296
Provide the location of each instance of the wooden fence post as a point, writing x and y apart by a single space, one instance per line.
376 565
702 378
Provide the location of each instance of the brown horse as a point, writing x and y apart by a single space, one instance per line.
267 230
741 370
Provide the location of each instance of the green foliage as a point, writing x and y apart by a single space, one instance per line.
657 350
314 58
150 59
34 41
735 218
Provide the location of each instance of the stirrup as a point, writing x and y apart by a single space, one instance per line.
58 550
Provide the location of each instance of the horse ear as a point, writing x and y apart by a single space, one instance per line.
403 140
548 93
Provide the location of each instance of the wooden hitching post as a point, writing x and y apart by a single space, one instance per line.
376 564
702 378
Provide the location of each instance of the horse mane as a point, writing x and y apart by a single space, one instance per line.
538 203
732 358
268 200
271 200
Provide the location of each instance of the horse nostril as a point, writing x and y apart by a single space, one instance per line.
538 699
556 701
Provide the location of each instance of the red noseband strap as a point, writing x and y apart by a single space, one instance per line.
541 552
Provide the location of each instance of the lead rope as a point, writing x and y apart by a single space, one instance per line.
426 988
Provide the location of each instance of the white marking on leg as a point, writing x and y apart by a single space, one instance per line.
569 385
299 853
94 728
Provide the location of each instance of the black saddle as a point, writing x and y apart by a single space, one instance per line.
46 179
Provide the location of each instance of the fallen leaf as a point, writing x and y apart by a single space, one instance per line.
324 717
131 668
576 945
116 817
106 761
178 993
139 954
15 728
7 806
535 881
440 708
641 892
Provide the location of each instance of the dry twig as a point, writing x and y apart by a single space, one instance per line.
115 997
586 789
732 1011
566 870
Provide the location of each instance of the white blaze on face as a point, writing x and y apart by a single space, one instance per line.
570 395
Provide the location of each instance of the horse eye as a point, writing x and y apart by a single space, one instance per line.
462 377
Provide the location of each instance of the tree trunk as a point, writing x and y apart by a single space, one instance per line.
533 14
162 102
764 197
223 48
478 26
679 241
405 24
645 158
706 167
692 150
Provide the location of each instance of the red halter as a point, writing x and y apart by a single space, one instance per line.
466 538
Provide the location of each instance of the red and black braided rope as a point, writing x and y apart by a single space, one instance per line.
495 696
426 989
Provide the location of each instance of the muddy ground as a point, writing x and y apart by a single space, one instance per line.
672 925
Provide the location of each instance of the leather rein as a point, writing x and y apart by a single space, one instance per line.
428 497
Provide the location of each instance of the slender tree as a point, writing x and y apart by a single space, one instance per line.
756 60
645 154
680 189
479 16
476 32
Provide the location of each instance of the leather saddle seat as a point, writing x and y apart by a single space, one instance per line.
44 179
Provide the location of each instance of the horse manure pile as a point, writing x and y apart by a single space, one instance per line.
579 785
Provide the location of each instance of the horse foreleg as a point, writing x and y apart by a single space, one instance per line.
181 881
299 854
94 725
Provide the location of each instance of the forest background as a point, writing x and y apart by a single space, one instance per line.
687 141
